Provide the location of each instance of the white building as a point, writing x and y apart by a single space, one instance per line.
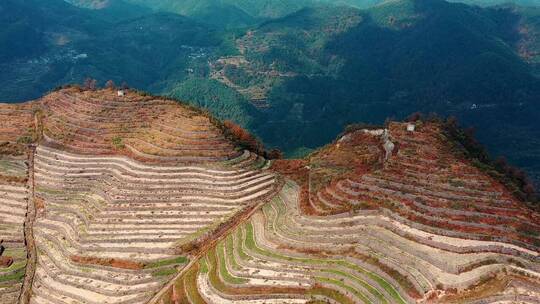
121 93
411 127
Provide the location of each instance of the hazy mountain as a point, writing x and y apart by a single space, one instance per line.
243 13
298 79
498 2
53 43
321 68
122 196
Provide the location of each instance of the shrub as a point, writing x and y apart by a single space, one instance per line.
516 180
90 84
274 154
117 142
242 137
25 139
110 85
414 117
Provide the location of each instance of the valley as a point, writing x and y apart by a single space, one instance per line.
286 72
269 151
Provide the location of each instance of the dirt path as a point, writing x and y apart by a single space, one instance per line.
28 233
223 232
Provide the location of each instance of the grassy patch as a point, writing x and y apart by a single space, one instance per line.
370 288
15 265
16 276
250 243
164 272
48 190
329 293
173 261
229 250
203 266
117 142
227 277
344 286
190 283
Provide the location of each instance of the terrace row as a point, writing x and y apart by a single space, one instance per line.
365 258
105 219
14 196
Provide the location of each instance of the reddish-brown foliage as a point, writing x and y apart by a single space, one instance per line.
295 169
5 261
13 179
90 84
274 154
111 262
243 137
110 85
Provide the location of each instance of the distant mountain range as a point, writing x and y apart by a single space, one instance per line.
263 8
294 72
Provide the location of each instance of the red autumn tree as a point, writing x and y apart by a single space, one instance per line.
243 137
274 154
414 117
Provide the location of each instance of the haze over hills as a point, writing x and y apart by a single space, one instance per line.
110 194
298 79
316 70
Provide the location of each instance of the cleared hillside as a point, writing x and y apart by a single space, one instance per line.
142 199
124 190
145 128
348 227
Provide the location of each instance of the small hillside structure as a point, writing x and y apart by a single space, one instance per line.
121 93
388 145
411 127
388 149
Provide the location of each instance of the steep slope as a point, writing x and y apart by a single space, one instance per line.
144 128
423 226
141 199
125 188
54 43
313 72
16 130
13 208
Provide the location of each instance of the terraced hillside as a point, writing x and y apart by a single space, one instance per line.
142 127
425 183
125 189
139 199
16 129
422 226
14 195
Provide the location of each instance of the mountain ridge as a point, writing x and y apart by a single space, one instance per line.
139 186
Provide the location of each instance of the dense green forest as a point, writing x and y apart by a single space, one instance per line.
295 72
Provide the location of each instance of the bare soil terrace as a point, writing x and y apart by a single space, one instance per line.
139 199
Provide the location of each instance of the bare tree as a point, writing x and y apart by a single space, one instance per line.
414 117
90 84
110 85
274 154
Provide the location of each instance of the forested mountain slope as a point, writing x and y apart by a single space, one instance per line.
316 70
52 43
295 74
